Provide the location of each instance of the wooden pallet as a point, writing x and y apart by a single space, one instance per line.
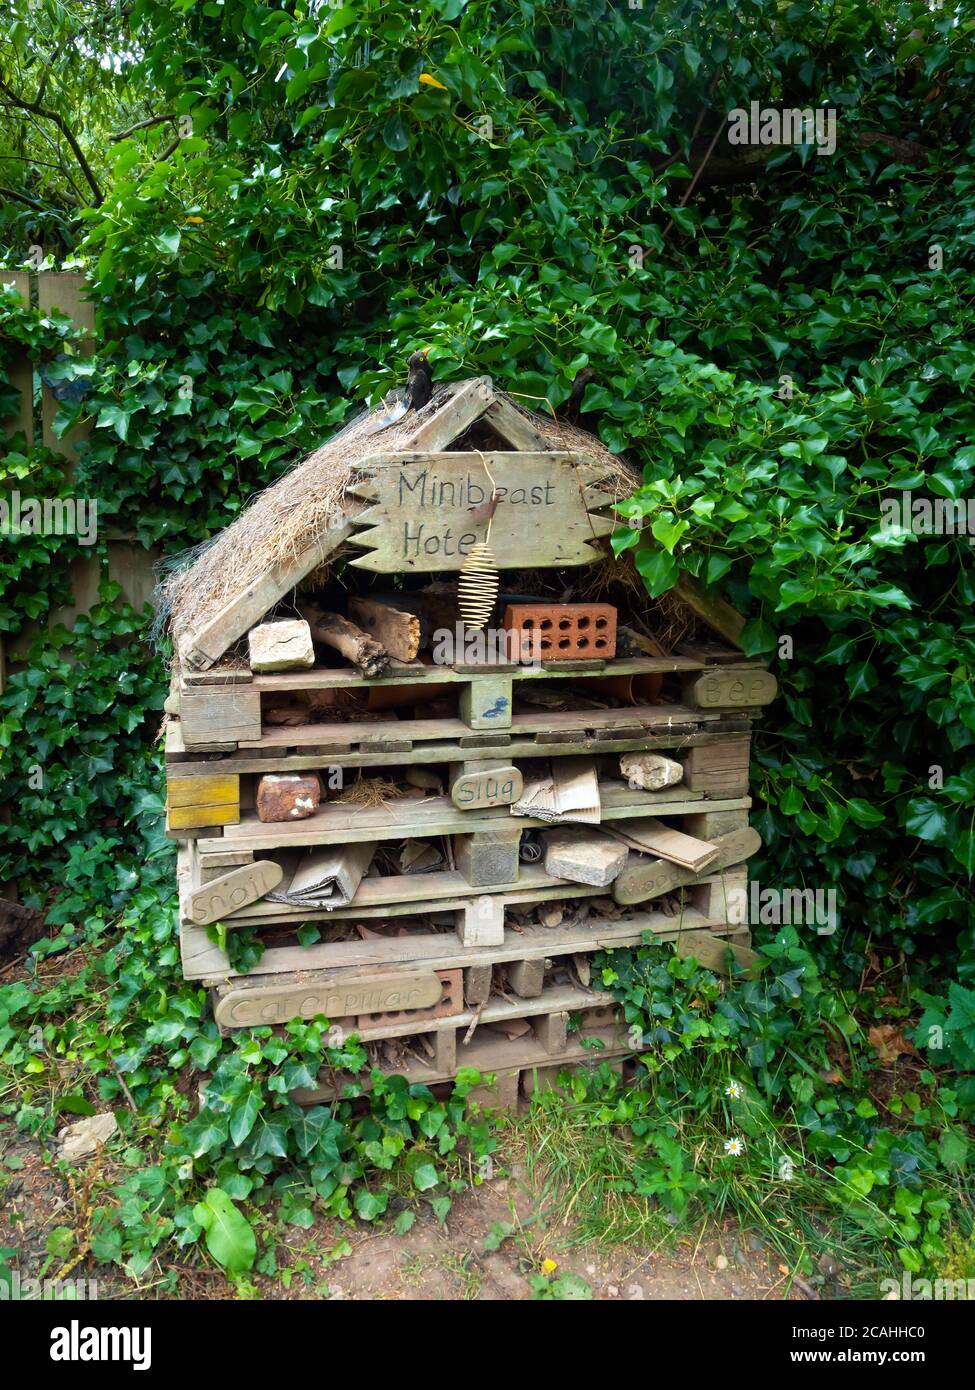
550 1049
228 719
712 898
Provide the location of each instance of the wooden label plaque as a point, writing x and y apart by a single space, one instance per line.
221 896
500 787
724 689
430 510
369 994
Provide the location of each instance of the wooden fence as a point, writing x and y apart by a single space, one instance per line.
129 563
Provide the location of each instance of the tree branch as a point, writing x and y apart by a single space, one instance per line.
142 125
55 116
22 198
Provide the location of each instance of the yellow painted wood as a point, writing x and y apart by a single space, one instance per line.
197 817
203 791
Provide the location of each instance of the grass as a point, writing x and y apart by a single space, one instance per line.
581 1160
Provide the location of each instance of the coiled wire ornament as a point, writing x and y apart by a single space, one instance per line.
479 581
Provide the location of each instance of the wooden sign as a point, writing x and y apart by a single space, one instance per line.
221 896
430 509
500 786
372 994
730 689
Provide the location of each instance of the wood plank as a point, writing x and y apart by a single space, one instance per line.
220 896
428 754
65 292
719 616
516 429
219 789
436 815
201 817
729 687
202 960
644 877
467 404
422 522
557 998
20 373
651 836
492 1055
712 951
287 682
476 786
647 718
219 714
335 997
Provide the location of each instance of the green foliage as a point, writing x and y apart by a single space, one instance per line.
746 1104
205 178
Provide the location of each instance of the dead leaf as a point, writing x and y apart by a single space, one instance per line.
890 1042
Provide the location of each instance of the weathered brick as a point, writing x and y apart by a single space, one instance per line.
287 796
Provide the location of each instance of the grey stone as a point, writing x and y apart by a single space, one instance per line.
583 856
650 772
283 645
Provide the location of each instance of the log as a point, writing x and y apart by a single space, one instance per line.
398 631
368 656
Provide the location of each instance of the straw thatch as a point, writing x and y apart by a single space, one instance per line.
284 521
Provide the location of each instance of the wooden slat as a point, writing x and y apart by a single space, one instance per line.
216 790
493 1054
645 717
20 371
64 291
556 999
455 416
202 960
719 616
207 645
507 421
434 816
182 760
287 682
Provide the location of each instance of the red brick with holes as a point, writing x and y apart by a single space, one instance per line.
566 631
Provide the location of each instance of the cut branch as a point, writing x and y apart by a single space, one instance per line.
363 652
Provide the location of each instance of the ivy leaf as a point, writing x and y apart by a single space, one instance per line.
243 1115
926 819
229 1237
395 134
369 1205
658 569
270 1137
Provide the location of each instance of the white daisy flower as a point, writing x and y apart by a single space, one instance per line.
733 1090
734 1147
